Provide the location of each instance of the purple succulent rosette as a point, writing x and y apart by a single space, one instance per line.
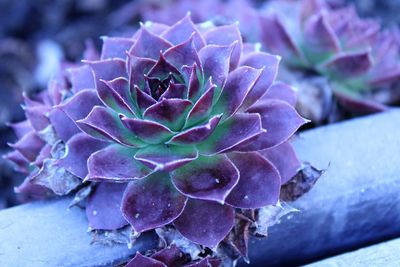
180 127
189 120
43 136
36 135
359 58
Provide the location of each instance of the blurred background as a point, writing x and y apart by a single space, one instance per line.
37 35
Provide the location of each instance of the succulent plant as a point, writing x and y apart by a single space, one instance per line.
31 149
42 135
359 59
180 126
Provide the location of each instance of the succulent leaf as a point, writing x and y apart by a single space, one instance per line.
254 171
81 78
281 91
269 64
170 112
103 208
284 158
116 95
152 202
215 60
166 157
277 115
80 147
196 134
115 163
208 178
141 48
105 124
171 256
213 219
140 260
239 84
235 131
115 47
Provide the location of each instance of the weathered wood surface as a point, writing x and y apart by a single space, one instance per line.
385 254
48 234
356 202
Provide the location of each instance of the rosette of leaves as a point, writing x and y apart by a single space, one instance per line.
34 135
358 58
195 128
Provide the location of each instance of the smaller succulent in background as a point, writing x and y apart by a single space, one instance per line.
32 149
218 11
360 61
46 130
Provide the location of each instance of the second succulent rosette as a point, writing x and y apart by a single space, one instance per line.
357 56
180 125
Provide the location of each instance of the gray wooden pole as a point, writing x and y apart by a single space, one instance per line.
384 254
355 203
47 233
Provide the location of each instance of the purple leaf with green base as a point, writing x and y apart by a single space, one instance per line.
115 163
208 178
170 112
239 84
215 60
233 132
166 157
149 131
105 124
202 108
116 95
196 134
